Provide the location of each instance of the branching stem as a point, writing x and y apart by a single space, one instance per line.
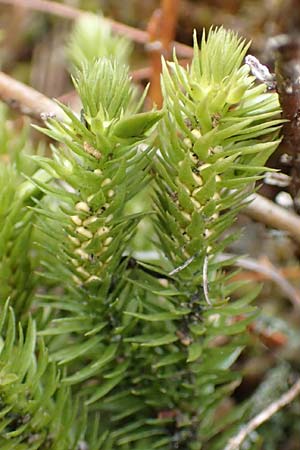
27 100
236 441
69 12
267 212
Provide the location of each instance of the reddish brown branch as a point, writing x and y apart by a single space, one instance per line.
290 272
155 50
144 73
27 100
161 29
288 84
69 12
170 11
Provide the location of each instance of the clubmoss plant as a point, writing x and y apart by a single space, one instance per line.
17 278
16 275
148 345
98 170
35 411
218 130
92 38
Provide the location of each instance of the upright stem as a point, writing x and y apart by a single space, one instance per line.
161 29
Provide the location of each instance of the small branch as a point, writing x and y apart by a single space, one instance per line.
267 212
170 10
288 86
27 100
155 50
143 73
290 272
71 13
235 442
161 29
269 271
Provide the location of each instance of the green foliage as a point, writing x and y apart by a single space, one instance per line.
92 38
217 133
149 346
16 280
213 145
36 412
16 222
83 220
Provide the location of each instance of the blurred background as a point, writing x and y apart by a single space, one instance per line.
33 50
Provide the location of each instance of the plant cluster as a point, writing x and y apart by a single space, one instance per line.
146 346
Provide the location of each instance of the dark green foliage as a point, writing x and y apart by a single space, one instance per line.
35 412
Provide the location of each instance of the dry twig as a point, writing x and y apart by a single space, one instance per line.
269 271
27 100
236 441
161 29
205 280
69 12
288 86
155 50
290 272
267 212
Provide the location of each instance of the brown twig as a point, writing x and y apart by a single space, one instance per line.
143 73
27 100
30 102
288 86
267 212
71 13
170 11
270 271
155 51
161 30
290 272
236 441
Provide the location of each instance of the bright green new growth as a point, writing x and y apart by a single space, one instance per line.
139 342
92 38
218 131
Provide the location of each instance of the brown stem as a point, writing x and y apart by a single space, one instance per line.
161 29
269 271
236 441
288 85
69 12
170 10
267 212
155 50
27 100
